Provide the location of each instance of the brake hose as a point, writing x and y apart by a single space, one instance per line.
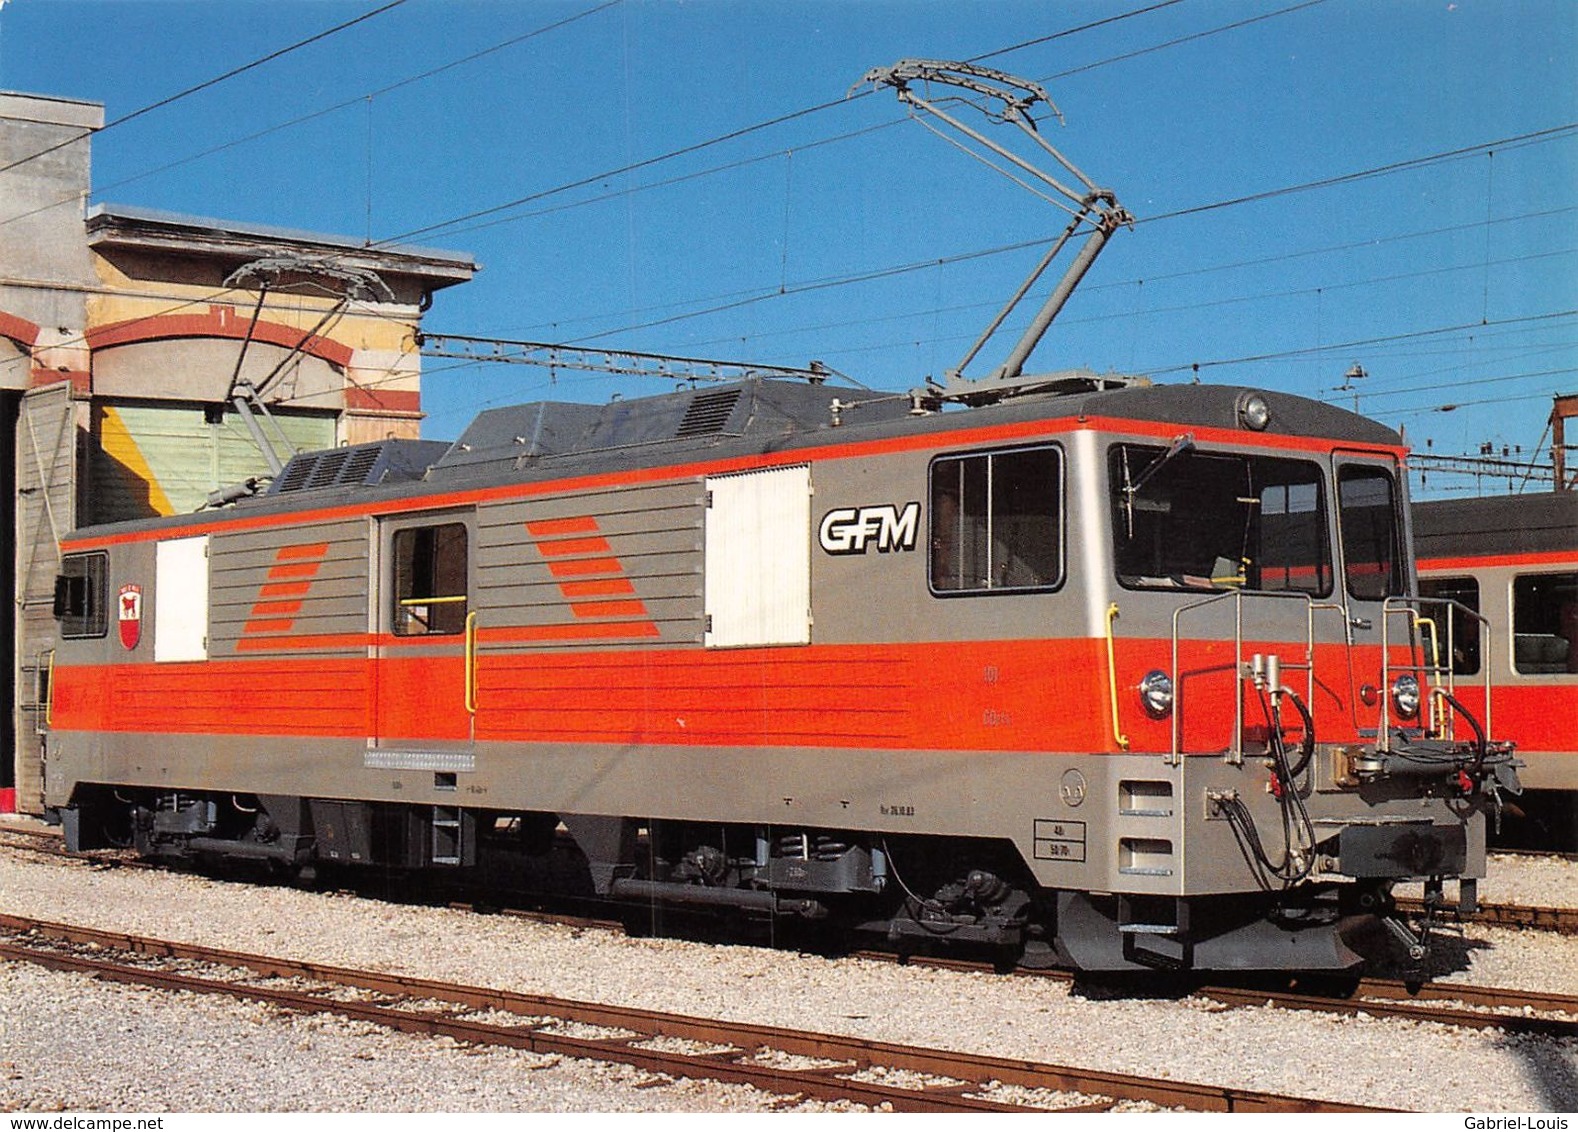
1481 741
1307 747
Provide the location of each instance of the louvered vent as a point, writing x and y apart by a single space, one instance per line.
294 477
707 413
326 472
361 462
382 462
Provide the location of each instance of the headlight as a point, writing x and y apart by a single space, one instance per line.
1253 412
1156 693
1405 695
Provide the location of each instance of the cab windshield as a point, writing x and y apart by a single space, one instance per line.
1187 519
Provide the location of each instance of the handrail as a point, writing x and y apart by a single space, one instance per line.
1435 638
1438 724
49 690
470 691
1236 751
1112 679
1439 673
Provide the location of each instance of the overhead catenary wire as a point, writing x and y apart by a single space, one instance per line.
1088 288
206 84
219 293
1405 336
779 120
491 217
764 295
357 100
722 138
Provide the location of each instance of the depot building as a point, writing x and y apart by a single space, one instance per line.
143 353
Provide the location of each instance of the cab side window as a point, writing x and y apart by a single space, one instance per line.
81 596
430 580
997 521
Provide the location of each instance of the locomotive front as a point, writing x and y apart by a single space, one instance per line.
1285 745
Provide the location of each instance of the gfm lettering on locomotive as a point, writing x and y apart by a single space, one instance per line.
854 530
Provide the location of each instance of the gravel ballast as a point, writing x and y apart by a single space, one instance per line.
67 1041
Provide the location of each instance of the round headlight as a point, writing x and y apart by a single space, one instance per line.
1405 695
1253 412
1156 693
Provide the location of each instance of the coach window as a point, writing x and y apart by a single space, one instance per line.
81 592
430 580
1368 520
997 521
1463 628
1545 624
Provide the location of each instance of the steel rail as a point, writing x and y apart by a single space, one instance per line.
1563 921
1386 998
1451 1004
966 1079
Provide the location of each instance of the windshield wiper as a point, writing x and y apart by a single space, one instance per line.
1179 446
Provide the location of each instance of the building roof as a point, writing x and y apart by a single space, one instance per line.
146 229
51 111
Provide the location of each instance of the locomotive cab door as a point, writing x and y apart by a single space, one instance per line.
1369 521
424 683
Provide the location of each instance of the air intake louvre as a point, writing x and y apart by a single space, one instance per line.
384 461
361 462
326 472
294 477
708 413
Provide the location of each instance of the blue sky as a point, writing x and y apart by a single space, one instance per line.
1452 280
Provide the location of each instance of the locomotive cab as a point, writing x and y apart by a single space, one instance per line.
1265 650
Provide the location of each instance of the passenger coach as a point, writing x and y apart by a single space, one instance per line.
1513 560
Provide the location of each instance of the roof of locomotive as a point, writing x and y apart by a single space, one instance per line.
750 417
765 415
1496 525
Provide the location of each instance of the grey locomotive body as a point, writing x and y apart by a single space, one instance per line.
1123 677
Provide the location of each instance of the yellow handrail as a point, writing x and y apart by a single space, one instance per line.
1435 713
1112 679
471 663
49 692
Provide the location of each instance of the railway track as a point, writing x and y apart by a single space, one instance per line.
785 1063
1450 1004
1563 921
1455 1004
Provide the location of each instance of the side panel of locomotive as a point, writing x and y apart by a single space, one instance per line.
196 690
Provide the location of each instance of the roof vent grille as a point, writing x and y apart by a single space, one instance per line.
708 413
294 477
382 461
326 471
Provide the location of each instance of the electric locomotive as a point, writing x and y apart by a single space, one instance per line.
1097 672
